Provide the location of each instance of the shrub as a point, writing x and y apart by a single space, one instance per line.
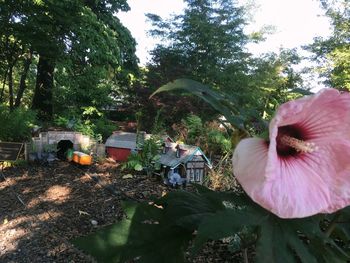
90 122
195 128
218 143
147 158
206 135
16 125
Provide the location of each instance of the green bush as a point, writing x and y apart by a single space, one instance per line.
206 135
147 158
218 142
90 122
16 125
195 128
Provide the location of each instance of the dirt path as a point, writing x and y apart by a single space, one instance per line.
43 207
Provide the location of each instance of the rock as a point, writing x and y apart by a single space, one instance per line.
94 222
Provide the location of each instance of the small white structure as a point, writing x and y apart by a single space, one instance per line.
47 141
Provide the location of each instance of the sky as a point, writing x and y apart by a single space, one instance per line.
297 22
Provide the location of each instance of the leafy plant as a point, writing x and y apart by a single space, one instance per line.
208 135
16 125
218 142
147 157
134 162
90 122
181 218
226 105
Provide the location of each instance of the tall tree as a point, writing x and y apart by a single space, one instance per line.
207 43
208 40
333 54
78 45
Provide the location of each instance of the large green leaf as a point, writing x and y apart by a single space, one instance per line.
137 236
278 240
188 209
161 232
225 104
223 224
180 214
105 245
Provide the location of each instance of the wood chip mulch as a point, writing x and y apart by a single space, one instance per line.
42 207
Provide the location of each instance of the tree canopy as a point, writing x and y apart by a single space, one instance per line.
332 54
80 49
208 43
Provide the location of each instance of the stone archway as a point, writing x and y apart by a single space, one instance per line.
51 139
62 147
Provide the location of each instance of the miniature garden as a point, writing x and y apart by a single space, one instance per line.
207 153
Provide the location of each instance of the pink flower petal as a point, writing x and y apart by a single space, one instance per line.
249 163
301 184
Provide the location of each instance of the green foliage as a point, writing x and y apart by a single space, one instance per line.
16 125
89 121
218 142
224 105
194 126
150 153
134 162
152 239
220 177
208 135
69 53
105 245
203 43
170 225
147 157
207 44
332 54
158 124
17 163
242 119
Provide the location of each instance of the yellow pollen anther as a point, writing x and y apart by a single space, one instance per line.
298 145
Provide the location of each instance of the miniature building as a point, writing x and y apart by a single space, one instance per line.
186 160
121 144
60 141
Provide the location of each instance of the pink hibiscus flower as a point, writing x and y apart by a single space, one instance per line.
304 168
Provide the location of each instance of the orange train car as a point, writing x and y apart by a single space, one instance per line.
82 158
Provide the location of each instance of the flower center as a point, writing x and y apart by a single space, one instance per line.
293 140
298 145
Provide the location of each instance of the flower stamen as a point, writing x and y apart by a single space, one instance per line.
298 145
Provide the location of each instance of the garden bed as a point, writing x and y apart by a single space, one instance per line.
43 207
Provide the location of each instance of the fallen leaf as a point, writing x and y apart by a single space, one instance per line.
83 213
127 176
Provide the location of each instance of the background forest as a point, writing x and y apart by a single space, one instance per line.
72 64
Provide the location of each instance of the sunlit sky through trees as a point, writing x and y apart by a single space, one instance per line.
296 22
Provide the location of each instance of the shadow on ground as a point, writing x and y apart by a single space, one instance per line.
43 207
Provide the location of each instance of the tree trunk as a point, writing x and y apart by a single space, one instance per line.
22 83
6 46
11 87
3 86
42 101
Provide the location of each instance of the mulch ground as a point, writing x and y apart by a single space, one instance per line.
42 207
